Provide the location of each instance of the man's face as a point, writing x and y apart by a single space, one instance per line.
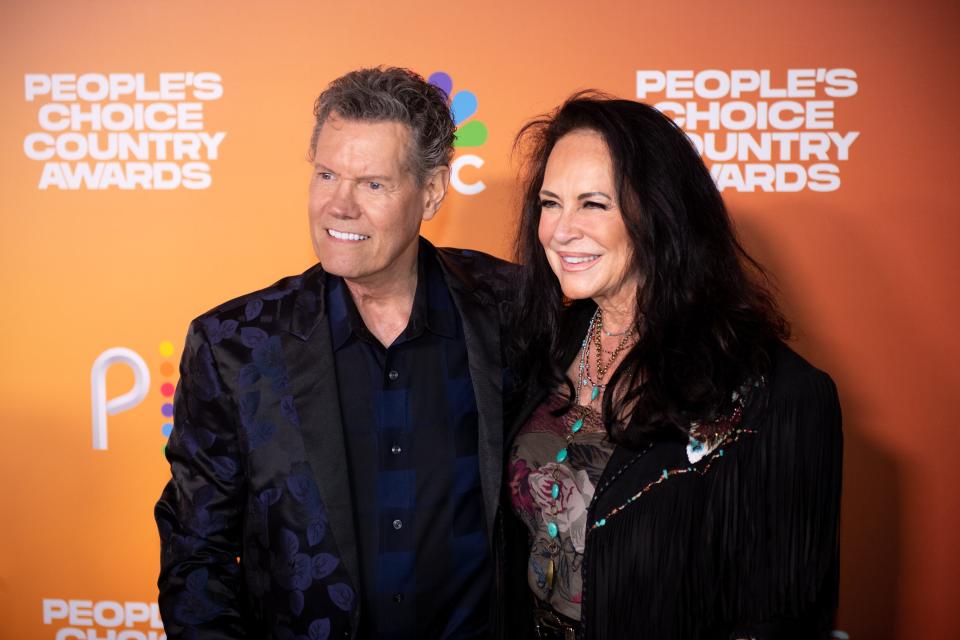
365 206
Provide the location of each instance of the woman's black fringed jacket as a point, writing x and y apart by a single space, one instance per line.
741 544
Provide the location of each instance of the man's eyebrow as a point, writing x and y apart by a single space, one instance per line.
367 178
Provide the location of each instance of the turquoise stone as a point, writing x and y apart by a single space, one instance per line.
562 455
594 393
555 491
552 529
577 425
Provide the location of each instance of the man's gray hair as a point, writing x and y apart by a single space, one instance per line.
393 95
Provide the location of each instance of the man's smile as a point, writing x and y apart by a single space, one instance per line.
344 235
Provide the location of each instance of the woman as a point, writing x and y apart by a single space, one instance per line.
675 467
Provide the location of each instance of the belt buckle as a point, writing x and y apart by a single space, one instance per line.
550 621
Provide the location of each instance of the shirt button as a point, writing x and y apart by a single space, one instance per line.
397 524
394 374
396 450
398 598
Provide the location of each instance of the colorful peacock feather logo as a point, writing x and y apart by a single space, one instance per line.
463 104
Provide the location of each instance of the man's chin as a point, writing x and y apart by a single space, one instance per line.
344 261
337 266
345 273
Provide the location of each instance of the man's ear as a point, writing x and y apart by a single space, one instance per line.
434 190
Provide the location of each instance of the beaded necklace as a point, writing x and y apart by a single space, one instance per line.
583 378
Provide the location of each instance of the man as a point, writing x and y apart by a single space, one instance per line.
337 447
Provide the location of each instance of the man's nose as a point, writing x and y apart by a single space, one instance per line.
342 202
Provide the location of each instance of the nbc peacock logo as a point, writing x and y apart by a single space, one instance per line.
471 133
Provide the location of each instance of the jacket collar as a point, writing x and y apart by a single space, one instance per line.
303 311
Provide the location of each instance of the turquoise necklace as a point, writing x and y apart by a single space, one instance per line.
583 379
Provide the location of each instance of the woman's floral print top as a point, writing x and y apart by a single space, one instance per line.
533 472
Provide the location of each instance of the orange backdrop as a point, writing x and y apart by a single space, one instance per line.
867 272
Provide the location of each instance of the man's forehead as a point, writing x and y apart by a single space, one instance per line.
338 122
371 143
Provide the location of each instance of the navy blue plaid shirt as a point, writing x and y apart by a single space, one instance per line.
410 422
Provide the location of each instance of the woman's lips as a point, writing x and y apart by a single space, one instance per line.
577 261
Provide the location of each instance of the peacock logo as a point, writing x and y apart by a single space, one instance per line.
471 133
103 407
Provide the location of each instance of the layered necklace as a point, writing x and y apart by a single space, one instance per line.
594 330
597 386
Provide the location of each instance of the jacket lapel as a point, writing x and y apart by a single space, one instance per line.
309 352
481 331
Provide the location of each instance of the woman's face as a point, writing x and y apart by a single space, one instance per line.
581 224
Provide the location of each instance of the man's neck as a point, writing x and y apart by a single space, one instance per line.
386 306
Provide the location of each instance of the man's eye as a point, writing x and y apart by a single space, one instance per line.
325 175
376 186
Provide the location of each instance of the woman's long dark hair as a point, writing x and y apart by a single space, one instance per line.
706 322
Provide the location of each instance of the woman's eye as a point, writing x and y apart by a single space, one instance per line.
548 204
590 204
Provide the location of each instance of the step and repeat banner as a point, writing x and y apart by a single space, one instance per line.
154 165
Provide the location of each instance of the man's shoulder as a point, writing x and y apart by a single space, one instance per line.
477 257
265 306
476 269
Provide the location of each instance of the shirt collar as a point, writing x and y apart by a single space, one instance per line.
433 309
